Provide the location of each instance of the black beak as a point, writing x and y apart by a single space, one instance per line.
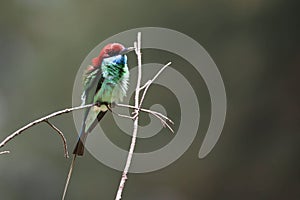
126 50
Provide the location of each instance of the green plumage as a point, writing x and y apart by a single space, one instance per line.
104 85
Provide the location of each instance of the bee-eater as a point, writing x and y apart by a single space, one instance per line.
105 82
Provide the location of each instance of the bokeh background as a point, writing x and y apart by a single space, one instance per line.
255 44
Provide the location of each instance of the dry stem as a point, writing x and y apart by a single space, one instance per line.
62 137
69 176
147 85
163 119
137 108
44 119
135 122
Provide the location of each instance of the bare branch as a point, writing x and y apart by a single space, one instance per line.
62 137
137 46
157 113
160 116
19 131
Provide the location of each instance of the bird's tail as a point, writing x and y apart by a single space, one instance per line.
79 148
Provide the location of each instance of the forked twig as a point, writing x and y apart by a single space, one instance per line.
164 123
137 46
147 85
157 113
120 115
137 108
43 119
160 116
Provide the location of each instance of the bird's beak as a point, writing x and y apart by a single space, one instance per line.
126 50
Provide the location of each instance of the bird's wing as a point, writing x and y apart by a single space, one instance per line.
92 82
91 79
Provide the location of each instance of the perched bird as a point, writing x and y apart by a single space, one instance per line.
105 82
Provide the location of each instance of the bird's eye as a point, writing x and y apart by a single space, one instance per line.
113 53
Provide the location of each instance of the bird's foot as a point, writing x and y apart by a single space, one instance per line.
98 104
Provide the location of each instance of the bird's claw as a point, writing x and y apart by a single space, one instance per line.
98 104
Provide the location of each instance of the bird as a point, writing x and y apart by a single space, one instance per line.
105 83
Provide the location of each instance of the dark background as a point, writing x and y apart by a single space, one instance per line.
255 45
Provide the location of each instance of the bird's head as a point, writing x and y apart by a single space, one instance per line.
110 50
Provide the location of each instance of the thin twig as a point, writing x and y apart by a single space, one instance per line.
147 85
121 115
157 113
118 114
126 106
4 152
135 122
19 131
160 116
69 176
144 110
62 137
164 123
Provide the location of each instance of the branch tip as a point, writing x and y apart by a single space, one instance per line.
4 152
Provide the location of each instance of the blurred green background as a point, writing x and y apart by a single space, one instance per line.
255 44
